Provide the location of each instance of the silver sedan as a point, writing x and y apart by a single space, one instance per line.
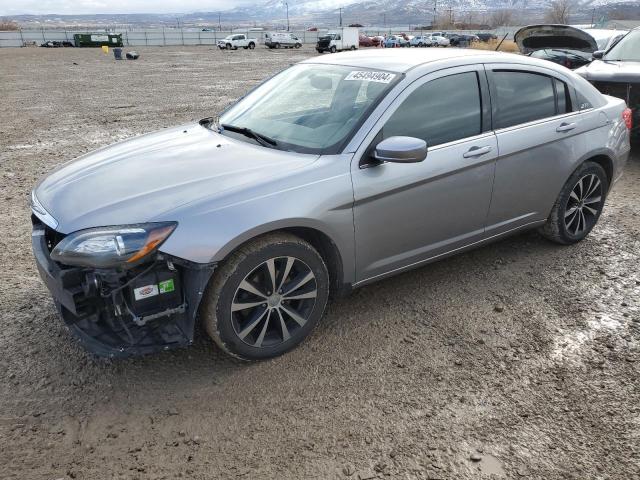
335 173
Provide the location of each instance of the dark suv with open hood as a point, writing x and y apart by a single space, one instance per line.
616 72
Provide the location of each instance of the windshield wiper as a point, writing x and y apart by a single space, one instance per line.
247 132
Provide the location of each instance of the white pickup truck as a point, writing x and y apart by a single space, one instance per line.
237 40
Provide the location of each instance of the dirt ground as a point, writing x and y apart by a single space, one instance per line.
516 360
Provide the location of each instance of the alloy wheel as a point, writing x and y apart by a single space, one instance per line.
273 302
583 205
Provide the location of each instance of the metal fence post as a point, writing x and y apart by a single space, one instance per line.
199 38
43 39
146 40
21 37
182 34
164 39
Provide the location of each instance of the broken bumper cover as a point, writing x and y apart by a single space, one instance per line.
124 313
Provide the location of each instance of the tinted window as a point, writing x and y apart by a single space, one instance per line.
439 111
522 97
564 99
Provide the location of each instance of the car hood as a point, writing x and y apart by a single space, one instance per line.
538 37
137 180
610 71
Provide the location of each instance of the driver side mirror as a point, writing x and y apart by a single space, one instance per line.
401 150
598 54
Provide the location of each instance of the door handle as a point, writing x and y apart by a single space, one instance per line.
566 127
476 151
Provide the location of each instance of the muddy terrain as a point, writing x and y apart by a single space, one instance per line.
517 360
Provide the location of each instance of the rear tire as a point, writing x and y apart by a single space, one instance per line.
579 205
298 45
252 46
281 282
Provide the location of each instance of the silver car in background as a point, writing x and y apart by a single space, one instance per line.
335 173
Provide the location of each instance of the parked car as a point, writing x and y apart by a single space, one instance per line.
326 177
237 40
281 40
616 72
439 41
396 41
365 41
565 45
568 58
458 40
486 37
344 38
421 41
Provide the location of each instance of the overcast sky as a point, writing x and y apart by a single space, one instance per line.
16 7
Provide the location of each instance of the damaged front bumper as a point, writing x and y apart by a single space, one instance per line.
120 313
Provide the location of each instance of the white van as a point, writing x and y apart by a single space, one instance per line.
281 40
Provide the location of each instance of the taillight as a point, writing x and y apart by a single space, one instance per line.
627 116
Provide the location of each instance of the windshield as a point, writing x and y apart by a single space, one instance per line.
311 108
626 49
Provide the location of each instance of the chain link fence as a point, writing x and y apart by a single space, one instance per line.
186 36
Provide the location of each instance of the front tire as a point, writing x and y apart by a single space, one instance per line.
333 49
578 206
252 46
266 297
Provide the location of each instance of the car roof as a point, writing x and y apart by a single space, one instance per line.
403 60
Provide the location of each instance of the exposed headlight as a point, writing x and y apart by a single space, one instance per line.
107 247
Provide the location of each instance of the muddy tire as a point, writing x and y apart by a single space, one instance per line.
266 297
333 49
298 45
277 46
228 46
579 205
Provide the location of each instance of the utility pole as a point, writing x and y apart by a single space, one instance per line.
451 16
219 22
384 16
340 16
286 4
435 13
593 14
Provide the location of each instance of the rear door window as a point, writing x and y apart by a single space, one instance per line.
440 111
522 97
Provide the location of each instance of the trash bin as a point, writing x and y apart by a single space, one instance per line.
117 53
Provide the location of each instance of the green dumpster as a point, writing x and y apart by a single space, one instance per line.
97 39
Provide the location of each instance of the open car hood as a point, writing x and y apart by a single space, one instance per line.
538 37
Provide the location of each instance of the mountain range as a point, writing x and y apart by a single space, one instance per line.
330 12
